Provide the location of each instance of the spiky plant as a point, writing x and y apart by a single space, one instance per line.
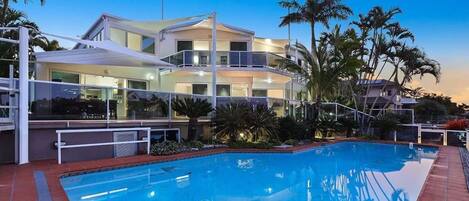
193 109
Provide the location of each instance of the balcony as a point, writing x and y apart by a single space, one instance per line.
65 101
228 59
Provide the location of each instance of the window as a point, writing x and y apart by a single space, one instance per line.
223 90
239 46
239 89
132 84
199 89
148 45
184 45
119 36
65 77
201 45
259 92
134 41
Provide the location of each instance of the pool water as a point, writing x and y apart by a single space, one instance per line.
342 171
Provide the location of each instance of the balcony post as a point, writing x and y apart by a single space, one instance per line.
213 60
24 94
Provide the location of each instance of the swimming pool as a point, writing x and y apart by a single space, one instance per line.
342 171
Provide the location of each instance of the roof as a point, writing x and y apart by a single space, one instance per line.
378 82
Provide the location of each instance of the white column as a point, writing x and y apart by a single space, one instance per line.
213 60
24 91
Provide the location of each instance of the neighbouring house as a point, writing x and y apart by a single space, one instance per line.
384 94
124 73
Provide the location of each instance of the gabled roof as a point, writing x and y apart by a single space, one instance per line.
207 23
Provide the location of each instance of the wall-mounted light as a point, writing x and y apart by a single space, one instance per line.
201 73
150 76
196 60
269 80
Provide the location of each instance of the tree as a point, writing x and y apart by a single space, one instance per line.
9 51
193 109
53 45
427 110
6 6
313 12
339 59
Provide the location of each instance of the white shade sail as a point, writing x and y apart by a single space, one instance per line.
110 53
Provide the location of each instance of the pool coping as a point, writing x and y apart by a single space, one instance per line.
55 172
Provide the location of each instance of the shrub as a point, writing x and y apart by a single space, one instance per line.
235 121
292 142
327 125
386 123
195 144
289 128
168 148
347 125
245 144
457 124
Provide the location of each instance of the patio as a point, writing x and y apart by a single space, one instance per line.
445 181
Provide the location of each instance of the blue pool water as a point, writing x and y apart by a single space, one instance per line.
342 171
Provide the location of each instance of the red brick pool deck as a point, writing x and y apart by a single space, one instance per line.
445 181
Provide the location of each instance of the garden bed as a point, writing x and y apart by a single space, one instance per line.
465 163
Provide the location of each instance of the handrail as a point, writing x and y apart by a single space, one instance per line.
60 132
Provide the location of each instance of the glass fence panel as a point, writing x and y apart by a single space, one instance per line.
128 104
457 138
279 106
66 102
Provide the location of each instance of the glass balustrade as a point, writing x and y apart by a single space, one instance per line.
195 58
61 101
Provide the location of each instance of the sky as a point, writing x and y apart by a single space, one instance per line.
441 27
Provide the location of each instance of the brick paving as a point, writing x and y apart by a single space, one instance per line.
445 181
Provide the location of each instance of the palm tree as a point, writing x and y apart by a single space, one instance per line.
262 123
374 44
9 51
312 12
192 108
340 59
5 6
230 120
53 45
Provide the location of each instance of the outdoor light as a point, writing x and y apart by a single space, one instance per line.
150 76
269 80
241 135
201 73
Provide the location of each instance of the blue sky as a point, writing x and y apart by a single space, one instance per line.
441 27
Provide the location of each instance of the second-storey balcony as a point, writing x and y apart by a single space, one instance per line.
233 59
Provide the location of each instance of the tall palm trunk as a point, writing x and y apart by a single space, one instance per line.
192 132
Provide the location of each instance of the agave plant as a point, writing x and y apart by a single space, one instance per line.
263 124
192 108
231 120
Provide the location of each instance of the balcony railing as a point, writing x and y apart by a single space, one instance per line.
65 101
197 58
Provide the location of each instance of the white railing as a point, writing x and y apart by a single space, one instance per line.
60 132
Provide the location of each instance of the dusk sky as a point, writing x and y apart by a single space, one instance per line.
441 27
